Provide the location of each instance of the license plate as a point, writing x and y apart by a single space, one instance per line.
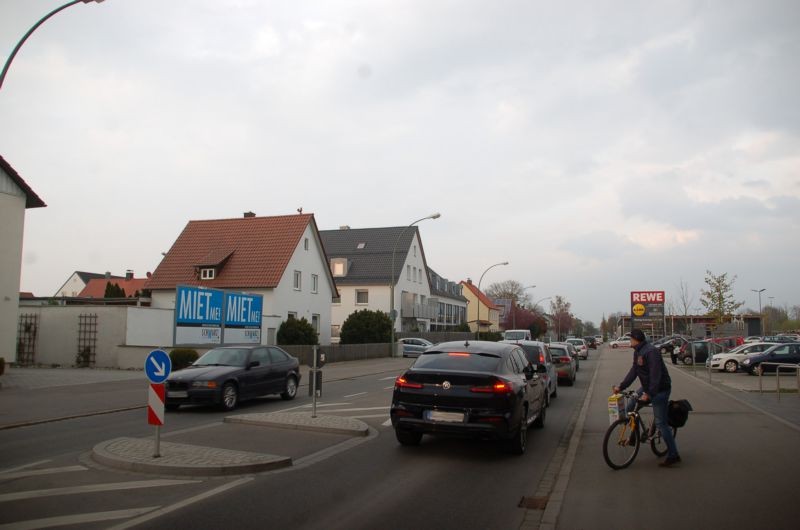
178 394
438 415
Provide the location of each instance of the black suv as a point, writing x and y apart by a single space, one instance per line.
591 342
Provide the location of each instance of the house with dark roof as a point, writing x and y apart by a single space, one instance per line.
482 312
450 301
278 257
78 281
365 262
16 196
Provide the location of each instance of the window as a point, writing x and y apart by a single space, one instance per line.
298 277
339 266
415 251
291 315
315 322
207 274
314 283
261 356
335 330
336 300
278 355
408 272
362 296
361 246
305 243
414 275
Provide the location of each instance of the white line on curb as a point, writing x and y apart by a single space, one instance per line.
65 520
24 466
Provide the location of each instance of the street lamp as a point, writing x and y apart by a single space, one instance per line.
760 316
30 31
478 319
391 285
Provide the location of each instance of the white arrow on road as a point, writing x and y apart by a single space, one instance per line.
160 368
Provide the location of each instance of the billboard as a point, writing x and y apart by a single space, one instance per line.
216 317
647 310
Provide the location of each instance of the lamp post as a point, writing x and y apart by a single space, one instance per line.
478 318
392 315
760 316
30 31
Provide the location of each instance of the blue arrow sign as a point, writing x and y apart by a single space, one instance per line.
157 366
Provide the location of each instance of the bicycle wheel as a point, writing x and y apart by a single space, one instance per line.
657 443
620 444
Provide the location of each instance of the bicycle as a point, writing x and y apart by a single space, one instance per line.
624 436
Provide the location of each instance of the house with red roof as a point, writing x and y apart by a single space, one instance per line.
487 318
96 287
278 257
16 196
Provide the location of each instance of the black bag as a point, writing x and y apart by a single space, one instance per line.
678 412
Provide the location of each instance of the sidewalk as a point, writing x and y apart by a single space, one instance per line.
740 467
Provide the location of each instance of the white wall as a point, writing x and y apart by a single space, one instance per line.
149 327
12 221
378 301
418 285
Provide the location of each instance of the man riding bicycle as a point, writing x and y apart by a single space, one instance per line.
649 367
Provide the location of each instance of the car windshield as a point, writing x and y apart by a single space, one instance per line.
458 361
223 357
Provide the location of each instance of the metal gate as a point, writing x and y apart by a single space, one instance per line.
87 340
27 330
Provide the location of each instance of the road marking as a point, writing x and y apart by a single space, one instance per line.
81 518
387 378
358 410
354 395
34 472
91 488
387 423
308 406
389 387
24 466
182 504
369 416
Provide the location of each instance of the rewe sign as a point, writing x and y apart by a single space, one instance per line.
647 297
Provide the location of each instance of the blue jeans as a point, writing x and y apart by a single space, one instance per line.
660 404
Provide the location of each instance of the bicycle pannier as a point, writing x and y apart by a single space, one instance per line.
678 412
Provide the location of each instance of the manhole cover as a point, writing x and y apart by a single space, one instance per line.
533 503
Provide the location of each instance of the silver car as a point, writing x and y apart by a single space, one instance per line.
414 346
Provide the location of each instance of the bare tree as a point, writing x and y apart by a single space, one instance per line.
685 297
510 289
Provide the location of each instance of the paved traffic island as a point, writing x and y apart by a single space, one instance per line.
136 454
304 422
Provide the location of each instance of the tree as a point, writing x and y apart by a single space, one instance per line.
510 289
685 299
718 298
562 318
539 326
366 327
294 331
589 328
114 291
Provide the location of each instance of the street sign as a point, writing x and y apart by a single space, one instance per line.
155 404
157 366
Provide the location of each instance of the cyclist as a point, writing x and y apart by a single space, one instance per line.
649 367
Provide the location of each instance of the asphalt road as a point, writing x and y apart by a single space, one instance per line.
336 482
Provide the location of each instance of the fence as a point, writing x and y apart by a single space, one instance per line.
341 352
778 368
437 336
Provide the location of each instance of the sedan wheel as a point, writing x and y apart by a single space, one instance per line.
731 366
519 442
230 396
408 437
291 388
687 360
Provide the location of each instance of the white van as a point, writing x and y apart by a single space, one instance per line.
517 334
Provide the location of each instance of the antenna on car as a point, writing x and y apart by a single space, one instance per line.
466 343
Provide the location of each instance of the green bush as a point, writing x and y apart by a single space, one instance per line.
366 327
182 357
294 331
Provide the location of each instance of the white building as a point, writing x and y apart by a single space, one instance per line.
15 197
280 258
361 261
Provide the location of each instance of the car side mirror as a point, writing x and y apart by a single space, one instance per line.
528 371
541 368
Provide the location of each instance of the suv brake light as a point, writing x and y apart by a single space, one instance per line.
499 387
402 382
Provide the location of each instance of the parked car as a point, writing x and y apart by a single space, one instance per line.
591 342
226 375
517 334
753 338
599 339
728 342
702 350
480 389
581 347
730 361
786 353
622 342
412 347
539 353
574 354
779 338
565 363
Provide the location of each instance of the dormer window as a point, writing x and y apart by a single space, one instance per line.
361 246
339 267
208 273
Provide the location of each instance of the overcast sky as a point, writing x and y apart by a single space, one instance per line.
599 147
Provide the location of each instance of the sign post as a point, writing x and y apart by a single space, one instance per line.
157 366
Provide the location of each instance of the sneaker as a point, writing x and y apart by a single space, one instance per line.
669 461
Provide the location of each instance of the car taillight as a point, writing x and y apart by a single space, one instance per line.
541 358
402 382
499 387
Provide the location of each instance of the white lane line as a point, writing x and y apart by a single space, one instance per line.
359 409
354 395
48 471
387 423
182 504
23 467
389 387
308 406
91 488
369 416
387 378
81 518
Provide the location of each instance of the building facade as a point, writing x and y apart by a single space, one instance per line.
482 314
450 302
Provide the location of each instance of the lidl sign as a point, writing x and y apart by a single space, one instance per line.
214 316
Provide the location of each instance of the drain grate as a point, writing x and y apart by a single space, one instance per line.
534 503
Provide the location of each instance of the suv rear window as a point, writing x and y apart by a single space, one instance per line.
532 352
468 362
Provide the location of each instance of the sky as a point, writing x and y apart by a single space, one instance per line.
600 147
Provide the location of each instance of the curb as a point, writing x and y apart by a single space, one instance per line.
303 421
136 454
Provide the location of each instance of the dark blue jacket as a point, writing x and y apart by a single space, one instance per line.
650 368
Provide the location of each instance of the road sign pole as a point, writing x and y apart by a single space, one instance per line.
157 452
157 367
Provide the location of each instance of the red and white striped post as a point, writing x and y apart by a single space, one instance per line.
155 411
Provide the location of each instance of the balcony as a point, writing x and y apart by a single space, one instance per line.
410 310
